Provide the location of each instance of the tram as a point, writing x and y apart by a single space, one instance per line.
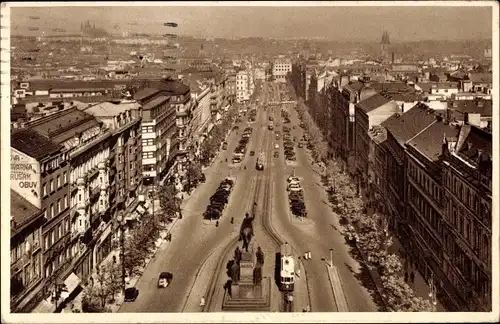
260 162
287 271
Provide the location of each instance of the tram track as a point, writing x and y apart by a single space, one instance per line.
250 197
260 191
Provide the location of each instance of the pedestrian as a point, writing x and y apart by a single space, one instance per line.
202 302
217 224
412 277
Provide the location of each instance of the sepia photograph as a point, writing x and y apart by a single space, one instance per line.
244 161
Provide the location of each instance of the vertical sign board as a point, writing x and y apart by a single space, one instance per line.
25 177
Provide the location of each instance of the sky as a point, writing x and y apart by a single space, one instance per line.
334 23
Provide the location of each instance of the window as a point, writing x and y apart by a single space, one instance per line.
131 165
146 142
147 155
46 242
65 177
52 212
147 129
44 190
79 197
59 207
58 183
59 230
67 200
67 225
51 185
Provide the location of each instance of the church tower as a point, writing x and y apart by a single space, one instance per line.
384 47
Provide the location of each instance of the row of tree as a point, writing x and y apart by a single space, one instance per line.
211 145
138 245
370 232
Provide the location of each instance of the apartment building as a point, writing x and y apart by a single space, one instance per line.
370 112
123 166
400 129
26 277
281 67
467 221
40 174
242 86
166 112
424 202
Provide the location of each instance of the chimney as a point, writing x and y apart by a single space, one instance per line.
444 145
392 59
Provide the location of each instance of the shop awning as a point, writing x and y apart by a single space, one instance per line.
71 283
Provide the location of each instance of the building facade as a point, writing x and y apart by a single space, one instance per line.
281 67
26 277
166 112
467 230
424 203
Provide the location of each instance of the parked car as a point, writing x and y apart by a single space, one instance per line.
224 146
131 294
301 145
276 154
164 279
276 146
252 153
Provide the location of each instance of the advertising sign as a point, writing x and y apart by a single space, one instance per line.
25 177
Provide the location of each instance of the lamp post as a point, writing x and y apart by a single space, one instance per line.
121 223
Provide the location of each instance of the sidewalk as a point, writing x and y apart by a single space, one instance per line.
420 286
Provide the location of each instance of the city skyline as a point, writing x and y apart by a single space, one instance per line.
403 23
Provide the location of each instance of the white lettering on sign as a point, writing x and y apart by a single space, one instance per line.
25 177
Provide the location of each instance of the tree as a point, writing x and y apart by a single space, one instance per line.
400 297
102 285
134 255
168 202
194 174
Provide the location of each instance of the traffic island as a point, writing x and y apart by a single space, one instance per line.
245 292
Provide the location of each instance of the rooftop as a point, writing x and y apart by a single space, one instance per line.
478 106
22 211
355 86
66 124
32 143
404 126
429 141
392 87
155 102
145 93
484 77
372 102
108 109
475 144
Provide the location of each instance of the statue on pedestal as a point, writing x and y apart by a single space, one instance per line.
237 255
235 273
259 256
257 274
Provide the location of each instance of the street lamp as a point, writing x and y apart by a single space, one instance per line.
121 222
